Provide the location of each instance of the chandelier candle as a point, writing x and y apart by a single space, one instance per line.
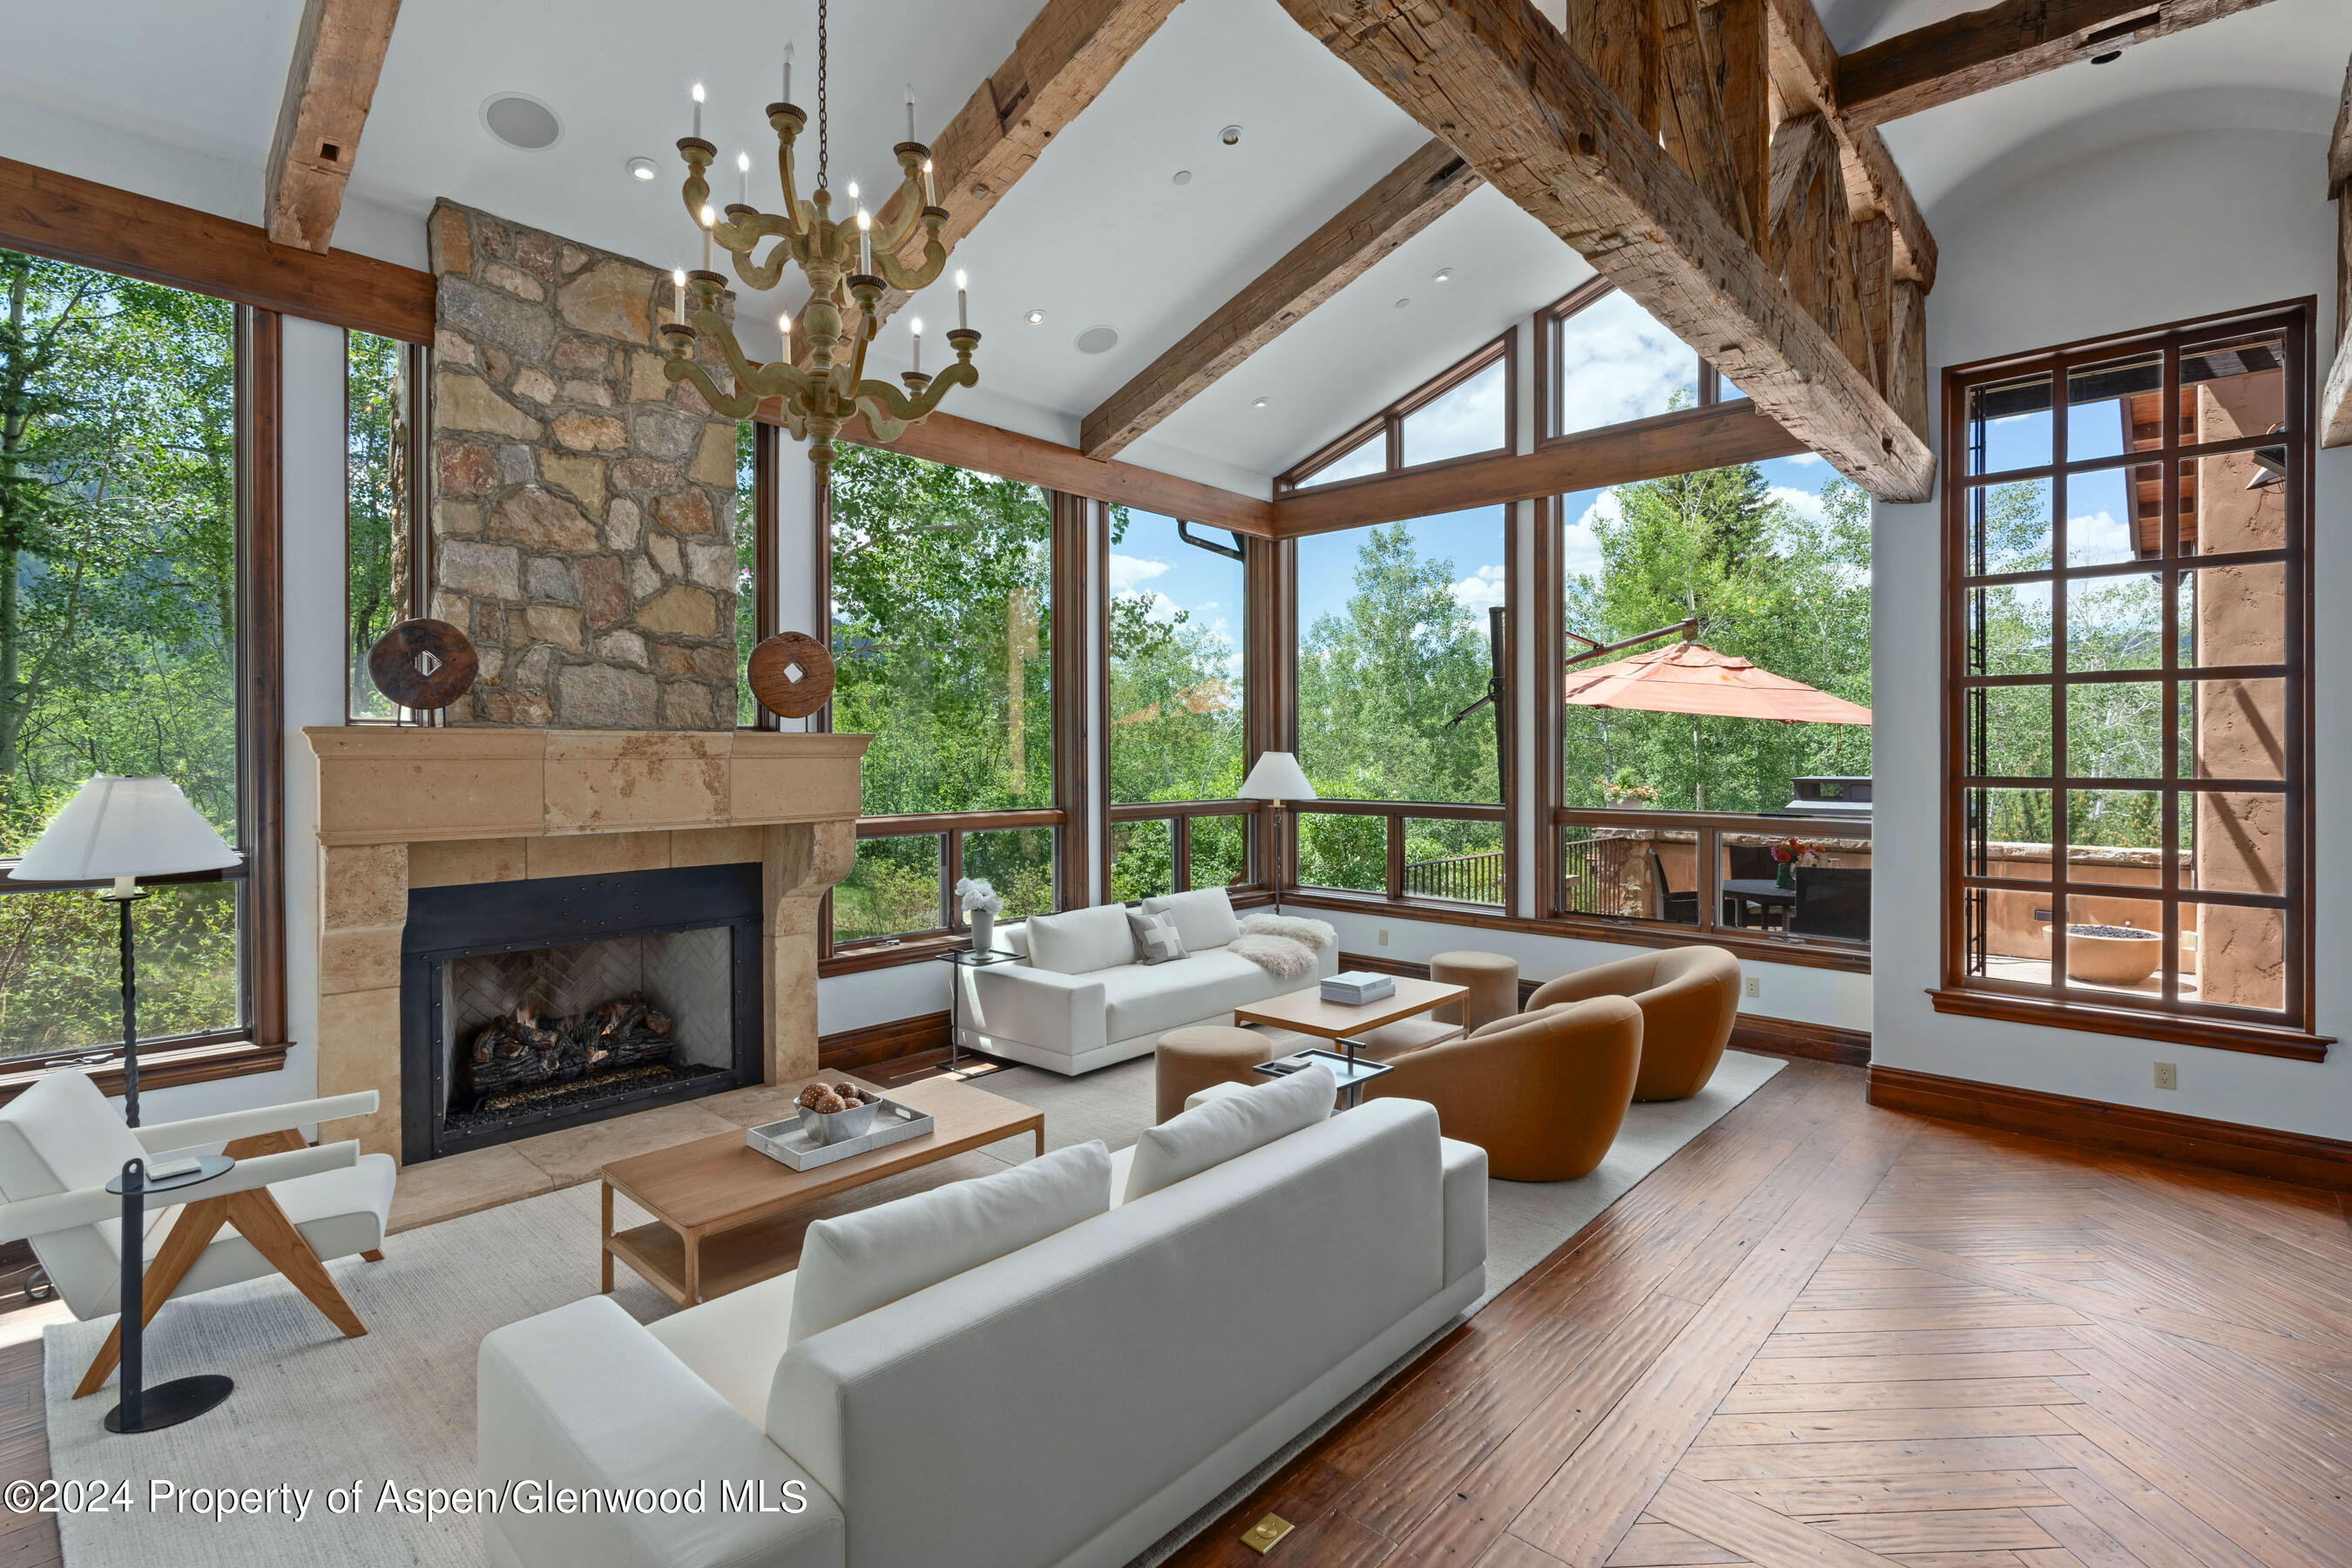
853 281
677 282
910 111
744 179
918 345
698 111
960 320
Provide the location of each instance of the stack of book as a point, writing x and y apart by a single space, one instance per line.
1358 986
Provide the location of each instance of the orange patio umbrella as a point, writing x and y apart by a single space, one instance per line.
1689 677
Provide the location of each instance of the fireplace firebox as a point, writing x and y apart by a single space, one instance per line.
534 1006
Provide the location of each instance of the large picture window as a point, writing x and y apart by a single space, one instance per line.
2128 816
1176 615
120 620
943 594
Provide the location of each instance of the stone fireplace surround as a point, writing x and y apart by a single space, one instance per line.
401 807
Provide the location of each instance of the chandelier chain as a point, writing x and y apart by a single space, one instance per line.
823 130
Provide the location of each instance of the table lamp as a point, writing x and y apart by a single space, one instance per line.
1276 777
121 829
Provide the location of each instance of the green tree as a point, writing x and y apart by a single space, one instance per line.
374 382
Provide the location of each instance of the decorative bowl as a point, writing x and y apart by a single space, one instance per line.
839 1126
2112 956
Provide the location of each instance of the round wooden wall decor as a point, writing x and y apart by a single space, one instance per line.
423 664
790 674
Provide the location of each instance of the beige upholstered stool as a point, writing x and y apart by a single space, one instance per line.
1491 979
1191 1059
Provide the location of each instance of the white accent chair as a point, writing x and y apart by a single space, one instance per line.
284 1208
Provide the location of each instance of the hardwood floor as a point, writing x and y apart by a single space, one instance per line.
1829 1335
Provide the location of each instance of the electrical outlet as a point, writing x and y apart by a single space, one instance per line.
2167 1076
1384 936
1752 986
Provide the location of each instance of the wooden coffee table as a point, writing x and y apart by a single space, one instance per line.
1308 1014
726 1215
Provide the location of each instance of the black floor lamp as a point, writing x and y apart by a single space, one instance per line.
118 830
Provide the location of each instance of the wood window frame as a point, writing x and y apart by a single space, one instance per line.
2290 1033
1504 350
1067 816
1550 322
259 1042
417 523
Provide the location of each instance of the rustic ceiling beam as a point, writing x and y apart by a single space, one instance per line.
338 54
1408 199
2335 398
1976 51
1499 81
1804 67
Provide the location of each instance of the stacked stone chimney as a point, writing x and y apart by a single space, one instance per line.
582 503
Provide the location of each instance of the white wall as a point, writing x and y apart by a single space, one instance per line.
2153 232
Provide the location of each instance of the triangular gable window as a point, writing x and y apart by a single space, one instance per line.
1604 360
1466 412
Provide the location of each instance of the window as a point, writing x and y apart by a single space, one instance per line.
751 500
944 606
1177 602
1469 411
1397 639
379 491
2128 668
120 540
1602 360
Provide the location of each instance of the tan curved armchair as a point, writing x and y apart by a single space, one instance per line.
1542 1092
1689 998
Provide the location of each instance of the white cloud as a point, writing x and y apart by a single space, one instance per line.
2096 539
1804 503
1467 419
1481 591
1804 459
1616 363
1128 571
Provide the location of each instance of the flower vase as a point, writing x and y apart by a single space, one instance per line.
983 931
1785 874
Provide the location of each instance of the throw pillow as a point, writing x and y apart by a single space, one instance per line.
1190 1142
1157 940
852 1264
1204 917
1079 942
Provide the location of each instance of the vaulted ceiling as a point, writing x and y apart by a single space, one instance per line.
179 101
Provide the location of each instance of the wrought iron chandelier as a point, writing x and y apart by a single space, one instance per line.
845 260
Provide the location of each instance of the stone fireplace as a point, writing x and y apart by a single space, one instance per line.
637 843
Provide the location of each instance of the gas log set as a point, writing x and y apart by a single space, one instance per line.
518 1051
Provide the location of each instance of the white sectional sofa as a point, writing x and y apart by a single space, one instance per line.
1079 1000
1065 1403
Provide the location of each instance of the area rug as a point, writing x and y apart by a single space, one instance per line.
330 1449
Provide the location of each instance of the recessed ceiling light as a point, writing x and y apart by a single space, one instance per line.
1098 340
1183 176
1036 318
643 168
1230 134
1260 402
520 120
1445 275
1400 304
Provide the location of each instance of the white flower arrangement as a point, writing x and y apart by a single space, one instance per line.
977 898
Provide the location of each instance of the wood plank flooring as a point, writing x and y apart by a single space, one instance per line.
1828 1335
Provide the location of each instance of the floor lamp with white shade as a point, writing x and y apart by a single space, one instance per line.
1276 777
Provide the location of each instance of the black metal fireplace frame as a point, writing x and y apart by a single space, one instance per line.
461 921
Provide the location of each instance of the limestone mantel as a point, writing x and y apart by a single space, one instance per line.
400 807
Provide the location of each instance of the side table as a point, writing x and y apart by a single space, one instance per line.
145 1409
964 958
1352 1070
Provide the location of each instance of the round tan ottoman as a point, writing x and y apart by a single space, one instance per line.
1191 1059
1494 983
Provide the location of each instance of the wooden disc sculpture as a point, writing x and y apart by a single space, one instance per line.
790 674
424 665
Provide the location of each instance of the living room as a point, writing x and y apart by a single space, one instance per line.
1471 828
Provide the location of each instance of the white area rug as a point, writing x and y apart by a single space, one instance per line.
316 1415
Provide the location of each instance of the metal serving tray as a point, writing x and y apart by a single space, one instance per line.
788 1143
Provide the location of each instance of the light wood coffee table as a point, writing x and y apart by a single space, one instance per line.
1306 1012
726 1215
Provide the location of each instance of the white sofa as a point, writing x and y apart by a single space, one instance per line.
1065 1403
1082 1002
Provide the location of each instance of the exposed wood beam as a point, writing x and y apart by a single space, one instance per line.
337 53
969 444
1499 81
1712 437
2336 397
2339 144
1804 67
54 214
1408 199
1813 236
1977 50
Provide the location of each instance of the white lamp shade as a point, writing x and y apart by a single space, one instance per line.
1276 777
117 827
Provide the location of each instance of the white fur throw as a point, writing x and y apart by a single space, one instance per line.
1277 955
1315 934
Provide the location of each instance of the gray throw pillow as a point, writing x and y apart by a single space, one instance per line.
1156 941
